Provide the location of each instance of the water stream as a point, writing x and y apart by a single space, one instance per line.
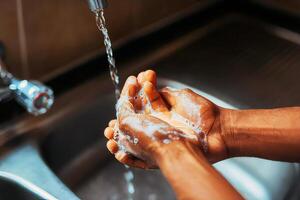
100 21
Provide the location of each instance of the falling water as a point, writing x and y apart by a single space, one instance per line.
100 21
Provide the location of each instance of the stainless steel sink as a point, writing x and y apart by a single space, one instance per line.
11 190
253 178
24 175
237 63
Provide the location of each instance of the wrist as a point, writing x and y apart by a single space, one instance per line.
176 152
227 129
191 175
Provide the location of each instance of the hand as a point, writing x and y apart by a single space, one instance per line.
204 118
136 137
196 117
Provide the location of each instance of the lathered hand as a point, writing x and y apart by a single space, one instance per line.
202 116
136 136
180 114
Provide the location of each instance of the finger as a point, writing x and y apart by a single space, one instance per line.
126 104
154 97
150 76
130 86
132 90
112 123
141 78
121 156
112 146
177 99
169 95
109 133
137 163
180 101
130 160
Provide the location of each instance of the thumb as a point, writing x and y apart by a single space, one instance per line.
180 100
169 95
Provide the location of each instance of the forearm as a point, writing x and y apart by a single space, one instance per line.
191 176
267 133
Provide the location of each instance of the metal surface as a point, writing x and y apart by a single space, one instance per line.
251 181
24 171
34 96
240 63
5 93
96 5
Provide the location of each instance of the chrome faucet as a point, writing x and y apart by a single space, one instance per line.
33 95
96 5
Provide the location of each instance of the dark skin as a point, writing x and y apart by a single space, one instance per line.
212 134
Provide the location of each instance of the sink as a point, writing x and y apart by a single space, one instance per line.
237 65
11 190
243 173
252 177
76 151
24 175
235 61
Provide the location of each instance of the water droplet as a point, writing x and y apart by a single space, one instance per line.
166 141
130 188
152 197
128 175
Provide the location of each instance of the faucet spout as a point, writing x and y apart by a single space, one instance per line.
96 5
36 97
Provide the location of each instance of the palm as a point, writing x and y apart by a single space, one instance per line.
203 116
179 111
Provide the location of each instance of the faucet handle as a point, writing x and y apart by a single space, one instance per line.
33 95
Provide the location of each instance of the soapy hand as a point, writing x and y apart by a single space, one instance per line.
147 122
136 136
202 116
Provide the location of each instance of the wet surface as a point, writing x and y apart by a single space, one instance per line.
10 190
242 62
245 63
109 183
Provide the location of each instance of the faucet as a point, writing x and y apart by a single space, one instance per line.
96 5
34 96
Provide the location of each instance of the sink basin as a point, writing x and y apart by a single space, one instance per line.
24 175
11 190
234 72
236 62
251 181
252 177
